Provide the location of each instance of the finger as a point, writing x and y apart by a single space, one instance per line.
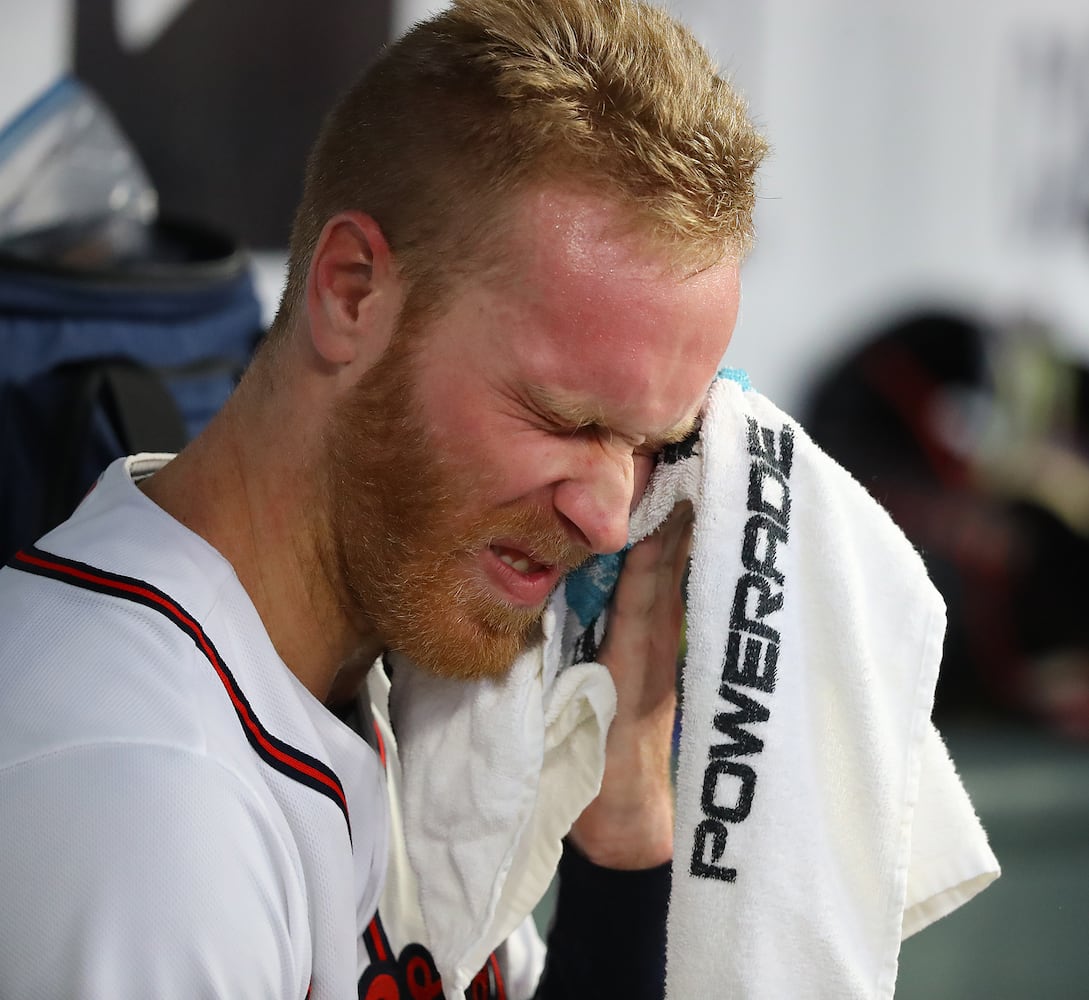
676 540
654 567
646 616
664 547
683 551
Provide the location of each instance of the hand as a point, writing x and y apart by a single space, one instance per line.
630 823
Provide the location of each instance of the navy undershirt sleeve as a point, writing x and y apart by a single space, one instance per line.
608 933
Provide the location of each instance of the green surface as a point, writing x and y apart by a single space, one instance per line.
1026 936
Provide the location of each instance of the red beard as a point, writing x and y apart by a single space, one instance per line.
407 529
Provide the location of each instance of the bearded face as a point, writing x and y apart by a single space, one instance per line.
408 526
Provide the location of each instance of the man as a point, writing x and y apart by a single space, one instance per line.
513 274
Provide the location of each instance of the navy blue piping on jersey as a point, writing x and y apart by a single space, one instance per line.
281 756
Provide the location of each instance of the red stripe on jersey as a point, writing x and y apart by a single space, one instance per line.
381 745
377 939
500 989
133 589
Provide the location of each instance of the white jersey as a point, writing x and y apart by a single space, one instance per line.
179 816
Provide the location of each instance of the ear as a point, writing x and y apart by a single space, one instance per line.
353 294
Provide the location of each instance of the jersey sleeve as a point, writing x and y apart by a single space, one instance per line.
136 870
608 932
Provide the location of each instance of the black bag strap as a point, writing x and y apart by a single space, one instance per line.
138 406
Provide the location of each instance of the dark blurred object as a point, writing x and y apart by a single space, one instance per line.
120 331
224 105
977 442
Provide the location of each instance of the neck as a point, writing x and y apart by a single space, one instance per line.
249 485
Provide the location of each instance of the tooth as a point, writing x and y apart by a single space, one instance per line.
522 565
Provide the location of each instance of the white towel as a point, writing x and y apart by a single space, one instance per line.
814 638
494 774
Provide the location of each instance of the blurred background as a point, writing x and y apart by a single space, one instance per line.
918 298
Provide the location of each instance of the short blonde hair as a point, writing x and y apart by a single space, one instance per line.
488 96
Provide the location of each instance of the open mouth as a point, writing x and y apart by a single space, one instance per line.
518 577
518 560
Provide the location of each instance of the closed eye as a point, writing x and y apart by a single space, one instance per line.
575 420
591 430
567 428
677 436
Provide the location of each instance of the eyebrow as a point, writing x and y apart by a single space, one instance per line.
579 414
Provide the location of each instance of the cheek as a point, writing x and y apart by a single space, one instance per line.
492 465
495 457
522 469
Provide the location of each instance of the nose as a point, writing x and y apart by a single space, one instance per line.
597 503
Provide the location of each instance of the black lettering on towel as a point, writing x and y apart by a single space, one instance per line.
751 658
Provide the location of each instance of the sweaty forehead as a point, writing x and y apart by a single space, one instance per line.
562 233
577 255
600 320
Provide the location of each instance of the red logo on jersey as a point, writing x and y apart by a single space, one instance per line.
412 975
